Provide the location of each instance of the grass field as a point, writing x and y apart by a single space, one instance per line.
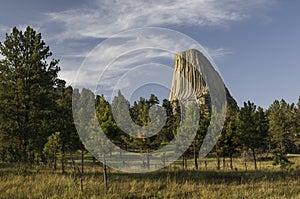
19 181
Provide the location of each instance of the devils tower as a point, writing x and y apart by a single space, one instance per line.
189 81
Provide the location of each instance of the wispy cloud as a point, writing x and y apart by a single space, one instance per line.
104 18
140 55
70 33
112 72
219 52
3 30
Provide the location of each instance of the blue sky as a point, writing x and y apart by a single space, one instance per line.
255 44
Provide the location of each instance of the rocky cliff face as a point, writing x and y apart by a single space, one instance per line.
187 77
189 81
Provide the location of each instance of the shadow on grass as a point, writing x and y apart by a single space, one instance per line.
164 175
217 177
204 177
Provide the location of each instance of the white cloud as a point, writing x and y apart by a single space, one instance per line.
144 48
3 31
104 18
219 52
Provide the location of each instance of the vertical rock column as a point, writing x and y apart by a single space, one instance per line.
187 78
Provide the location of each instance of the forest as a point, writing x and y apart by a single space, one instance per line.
38 138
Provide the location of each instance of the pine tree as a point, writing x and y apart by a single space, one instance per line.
283 126
27 81
52 148
251 133
228 142
65 123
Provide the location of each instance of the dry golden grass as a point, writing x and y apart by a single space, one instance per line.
17 182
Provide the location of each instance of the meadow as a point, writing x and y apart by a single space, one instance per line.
21 181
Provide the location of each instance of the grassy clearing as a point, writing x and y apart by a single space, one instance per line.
171 182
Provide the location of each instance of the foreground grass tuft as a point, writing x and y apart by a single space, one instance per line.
22 182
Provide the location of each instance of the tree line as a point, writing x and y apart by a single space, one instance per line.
36 121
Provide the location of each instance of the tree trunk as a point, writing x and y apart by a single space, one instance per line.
218 163
105 173
183 162
82 169
148 159
254 158
82 161
121 155
63 159
269 149
195 158
230 159
164 160
55 165
224 163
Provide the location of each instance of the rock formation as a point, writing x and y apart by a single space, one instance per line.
188 80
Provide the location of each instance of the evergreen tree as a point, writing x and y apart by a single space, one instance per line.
65 123
283 125
27 81
251 133
52 148
228 142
